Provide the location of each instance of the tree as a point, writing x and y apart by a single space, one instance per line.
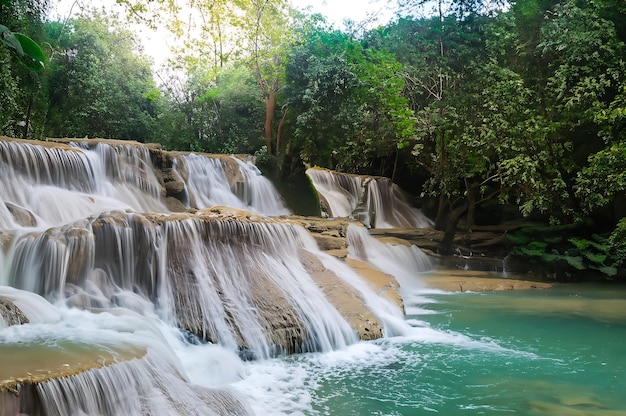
269 33
98 85
216 34
20 84
346 103
215 115
26 13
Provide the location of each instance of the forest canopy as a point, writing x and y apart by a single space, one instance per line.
463 103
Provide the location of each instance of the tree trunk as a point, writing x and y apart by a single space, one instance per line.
472 197
270 108
446 245
27 121
395 166
279 130
442 210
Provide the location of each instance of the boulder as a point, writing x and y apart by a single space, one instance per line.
11 314
22 216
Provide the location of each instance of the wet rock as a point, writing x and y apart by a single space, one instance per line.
173 188
11 314
174 204
453 280
231 169
344 298
22 216
384 284
329 242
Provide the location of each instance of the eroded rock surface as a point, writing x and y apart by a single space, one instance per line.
344 298
10 314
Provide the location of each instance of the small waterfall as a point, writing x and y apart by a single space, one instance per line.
136 387
129 168
238 284
60 184
258 192
374 201
97 364
209 184
227 286
403 262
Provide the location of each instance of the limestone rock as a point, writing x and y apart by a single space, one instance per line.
346 300
22 216
11 314
384 284
329 242
174 204
173 188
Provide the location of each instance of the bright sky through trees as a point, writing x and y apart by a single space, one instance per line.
156 43
355 10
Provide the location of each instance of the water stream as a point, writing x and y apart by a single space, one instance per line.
128 309
540 352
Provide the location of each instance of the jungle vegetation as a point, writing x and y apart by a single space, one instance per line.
465 103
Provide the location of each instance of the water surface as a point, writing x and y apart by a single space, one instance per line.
560 351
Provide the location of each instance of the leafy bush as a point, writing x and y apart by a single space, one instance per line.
617 243
565 250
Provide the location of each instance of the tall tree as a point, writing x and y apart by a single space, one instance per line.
98 85
215 115
269 34
347 107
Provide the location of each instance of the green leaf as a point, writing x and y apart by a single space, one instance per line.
575 261
27 50
608 270
5 2
10 40
518 238
32 55
580 243
595 258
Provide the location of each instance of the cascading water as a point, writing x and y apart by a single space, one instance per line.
53 186
208 184
96 272
374 201
402 261
107 309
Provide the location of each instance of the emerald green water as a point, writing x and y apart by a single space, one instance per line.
560 351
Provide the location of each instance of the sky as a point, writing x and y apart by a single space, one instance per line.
338 10
335 11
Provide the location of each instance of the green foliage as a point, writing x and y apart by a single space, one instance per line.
345 101
28 52
557 251
21 72
222 114
98 86
586 64
617 243
604 177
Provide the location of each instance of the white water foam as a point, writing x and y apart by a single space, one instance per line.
208 185
375 201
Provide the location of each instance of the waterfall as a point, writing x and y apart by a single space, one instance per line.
111 304
243 187
402 261
106 365
375 201
55 185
